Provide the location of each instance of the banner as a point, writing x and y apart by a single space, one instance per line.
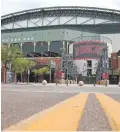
105 76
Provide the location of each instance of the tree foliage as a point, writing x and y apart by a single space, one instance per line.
21 65
30 64
9 54
12 55
41 71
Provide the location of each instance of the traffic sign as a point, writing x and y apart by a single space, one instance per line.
53 64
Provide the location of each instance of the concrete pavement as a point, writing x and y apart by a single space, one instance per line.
22 104
60 89
62 85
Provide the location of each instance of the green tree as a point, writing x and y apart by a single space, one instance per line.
18 66
44 70
8 55
21 65
41 71
30 64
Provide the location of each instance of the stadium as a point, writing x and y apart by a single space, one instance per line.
81 31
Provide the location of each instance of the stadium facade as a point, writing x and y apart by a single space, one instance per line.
80 31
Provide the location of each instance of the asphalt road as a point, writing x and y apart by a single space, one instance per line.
22 101
94 118
16 106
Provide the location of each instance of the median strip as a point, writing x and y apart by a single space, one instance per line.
112 110
64 116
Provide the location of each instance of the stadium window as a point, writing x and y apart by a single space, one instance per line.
89 63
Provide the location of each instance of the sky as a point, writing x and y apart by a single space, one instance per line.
10 6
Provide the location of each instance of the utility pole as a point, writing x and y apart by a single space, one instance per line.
50 70
67 73
52 65
28 76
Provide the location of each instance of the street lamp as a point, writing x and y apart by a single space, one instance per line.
28 75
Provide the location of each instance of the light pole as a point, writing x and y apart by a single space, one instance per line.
50 70
67 73
28 75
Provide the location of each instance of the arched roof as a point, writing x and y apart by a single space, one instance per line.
74 11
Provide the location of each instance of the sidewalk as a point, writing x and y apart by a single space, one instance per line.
54 84
74 85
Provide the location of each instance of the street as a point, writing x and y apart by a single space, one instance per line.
73 108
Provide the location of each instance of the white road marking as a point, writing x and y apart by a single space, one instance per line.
56 91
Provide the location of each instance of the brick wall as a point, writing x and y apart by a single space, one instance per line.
118 61
41 60
114 61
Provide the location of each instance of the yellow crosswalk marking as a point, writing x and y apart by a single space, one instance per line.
112 110
64 116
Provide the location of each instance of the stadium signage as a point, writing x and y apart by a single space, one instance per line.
87 50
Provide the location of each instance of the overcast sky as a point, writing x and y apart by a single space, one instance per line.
9 6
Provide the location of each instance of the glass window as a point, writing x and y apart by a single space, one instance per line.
89 63
89 72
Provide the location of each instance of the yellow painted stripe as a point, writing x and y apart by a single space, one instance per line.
64 116
112 110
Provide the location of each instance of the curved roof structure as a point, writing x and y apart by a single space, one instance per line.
63 16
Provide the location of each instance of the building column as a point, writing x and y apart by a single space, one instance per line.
34 46
48 45
21 44
63 44
67 47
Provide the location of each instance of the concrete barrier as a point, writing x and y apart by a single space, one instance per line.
44 82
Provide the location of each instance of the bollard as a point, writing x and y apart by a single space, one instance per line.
57 81
119 84
44 82
67 82
106 83
80 83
